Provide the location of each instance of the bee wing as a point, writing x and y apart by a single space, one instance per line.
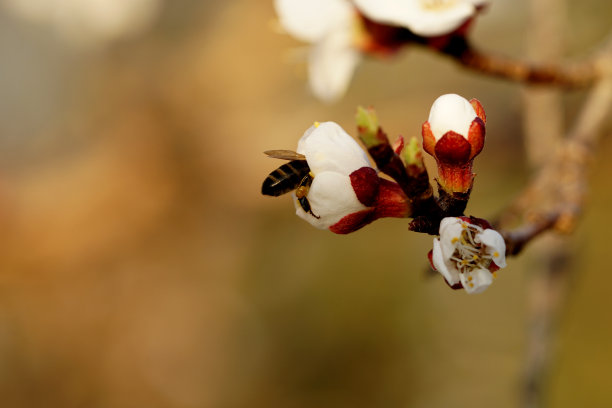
285 155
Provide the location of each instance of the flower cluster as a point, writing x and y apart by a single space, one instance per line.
337 188
341 31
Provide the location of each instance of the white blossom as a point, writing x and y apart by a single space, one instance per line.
332 155
468 254
330 26
427 18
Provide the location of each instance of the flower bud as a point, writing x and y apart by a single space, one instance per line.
413 157
467 253
454 134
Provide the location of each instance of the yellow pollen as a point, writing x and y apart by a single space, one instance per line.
471 285
475 257
494 274
464 262
495 254
316 124
470 278
454 240
463 225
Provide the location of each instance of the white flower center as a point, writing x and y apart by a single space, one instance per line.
437 5
470 254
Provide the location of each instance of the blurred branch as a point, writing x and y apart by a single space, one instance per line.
575 75
557 192
543 127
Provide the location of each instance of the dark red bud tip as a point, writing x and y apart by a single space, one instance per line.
398 146
479 109
429 141
353 222
365 183
476 136
453 149
430 257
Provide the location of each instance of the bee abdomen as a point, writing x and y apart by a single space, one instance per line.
286 178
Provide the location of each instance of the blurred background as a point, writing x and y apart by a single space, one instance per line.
141 267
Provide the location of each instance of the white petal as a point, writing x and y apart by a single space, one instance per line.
495 246
431 23
451 112
331 197
310 20
450 273
422 17
328 147
450 234
331 63
481 279
387 11
478 2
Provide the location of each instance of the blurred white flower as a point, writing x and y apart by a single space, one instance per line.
330 25
427 18
88 22
467 254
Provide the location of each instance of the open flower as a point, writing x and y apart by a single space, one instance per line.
467 253
335 186
339 35
330 26
454 134
426 18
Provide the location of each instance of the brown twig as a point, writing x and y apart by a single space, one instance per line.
566 75
559 188
543 124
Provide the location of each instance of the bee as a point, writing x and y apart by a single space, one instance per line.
295 175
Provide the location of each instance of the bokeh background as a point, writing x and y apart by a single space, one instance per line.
141 267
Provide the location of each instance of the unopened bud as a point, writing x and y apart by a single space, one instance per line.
454 134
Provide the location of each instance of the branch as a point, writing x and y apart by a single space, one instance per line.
555 197
571 76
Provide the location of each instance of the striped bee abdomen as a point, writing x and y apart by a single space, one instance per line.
286 178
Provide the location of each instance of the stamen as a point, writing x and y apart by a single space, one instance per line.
317 124
454 240
471 239
495 254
